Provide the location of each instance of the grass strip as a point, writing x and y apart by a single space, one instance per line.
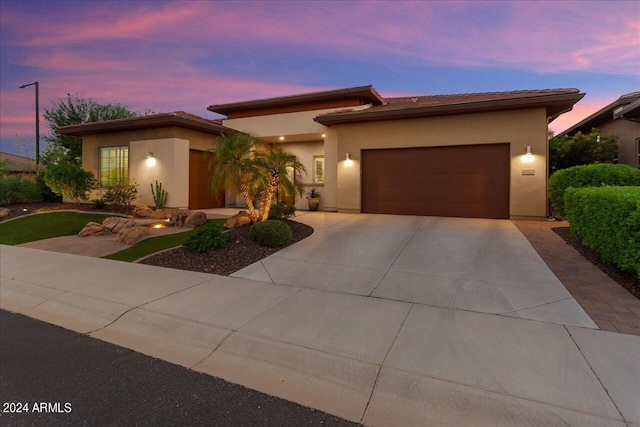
45 226
155 244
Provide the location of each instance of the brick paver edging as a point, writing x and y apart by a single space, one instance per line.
610 305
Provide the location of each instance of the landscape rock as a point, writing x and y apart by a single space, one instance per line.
195 219
238 220
133 235
4 212
116 224
179 216
143 211
162 213
93 229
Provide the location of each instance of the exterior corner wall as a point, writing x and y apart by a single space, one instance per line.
171 169
627 132
519 128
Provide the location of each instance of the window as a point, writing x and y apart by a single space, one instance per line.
318 169
114 165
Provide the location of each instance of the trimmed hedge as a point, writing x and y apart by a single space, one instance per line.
589 176
271 233
608 220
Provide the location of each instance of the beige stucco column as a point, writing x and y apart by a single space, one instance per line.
171 168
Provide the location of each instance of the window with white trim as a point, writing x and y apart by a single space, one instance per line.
318 169
114 165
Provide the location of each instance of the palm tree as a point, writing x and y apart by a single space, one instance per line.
278 167
234 167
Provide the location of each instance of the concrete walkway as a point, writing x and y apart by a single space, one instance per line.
381 319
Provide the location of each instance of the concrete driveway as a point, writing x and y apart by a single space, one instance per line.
478 265
382 319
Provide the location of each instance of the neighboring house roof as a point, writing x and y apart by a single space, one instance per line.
360 95
177 118
556 101
18 163
626 107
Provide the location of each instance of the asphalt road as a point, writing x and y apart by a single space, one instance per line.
65 378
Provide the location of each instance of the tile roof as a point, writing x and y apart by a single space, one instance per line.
401 107
18 163
176 118
627 107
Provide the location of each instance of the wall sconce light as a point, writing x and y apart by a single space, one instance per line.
348 162
151 161
281 138
528 157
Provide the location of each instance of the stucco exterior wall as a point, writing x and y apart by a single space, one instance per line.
170 146
627 133
171 169
300 124
519 128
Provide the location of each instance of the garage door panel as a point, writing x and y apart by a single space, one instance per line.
466 181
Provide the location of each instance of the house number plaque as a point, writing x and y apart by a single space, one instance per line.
528 171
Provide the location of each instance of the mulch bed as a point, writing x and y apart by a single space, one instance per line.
239 253
627 280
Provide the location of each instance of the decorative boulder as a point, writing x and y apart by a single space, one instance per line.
238 220
133 235
143 211
179 216
4 212
116 224
162 213
195 219
93 229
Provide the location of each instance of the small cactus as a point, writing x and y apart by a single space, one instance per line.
159 195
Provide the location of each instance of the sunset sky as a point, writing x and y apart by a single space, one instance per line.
186 55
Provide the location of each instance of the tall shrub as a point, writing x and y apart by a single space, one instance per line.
608 220
589 176
15 189
70 181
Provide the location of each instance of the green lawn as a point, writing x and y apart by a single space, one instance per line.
45 226
155 244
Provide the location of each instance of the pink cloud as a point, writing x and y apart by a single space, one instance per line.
590 36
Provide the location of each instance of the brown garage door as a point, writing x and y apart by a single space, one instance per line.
199 180
469 181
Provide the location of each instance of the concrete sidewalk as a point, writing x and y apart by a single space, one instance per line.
399 346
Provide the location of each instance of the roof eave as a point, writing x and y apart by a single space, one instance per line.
225 109
135 123
496 105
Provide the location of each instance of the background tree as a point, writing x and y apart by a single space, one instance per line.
73 111
581 149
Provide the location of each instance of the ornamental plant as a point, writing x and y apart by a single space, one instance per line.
271 233
121 195
207 238
159 195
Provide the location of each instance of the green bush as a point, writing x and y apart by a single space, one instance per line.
282 211
208 237
122 194
69 180
271 233
589 176
608 220
45 192
15 189
99 203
